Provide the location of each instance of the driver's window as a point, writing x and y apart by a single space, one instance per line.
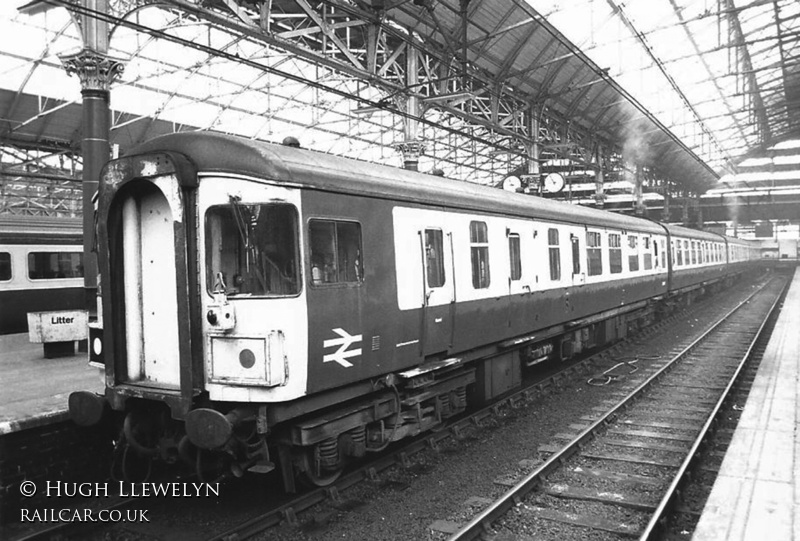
252 249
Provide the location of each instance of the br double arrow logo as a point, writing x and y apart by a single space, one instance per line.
344 342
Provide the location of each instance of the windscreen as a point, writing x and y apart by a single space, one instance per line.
252 249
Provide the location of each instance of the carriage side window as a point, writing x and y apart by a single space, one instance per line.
678 252
335 252
694 251
434 257
514 256
251 249
5 266
479 248
594 253
663 254
686 254
554 254
614 253
55 265
633 255
648 255
576 254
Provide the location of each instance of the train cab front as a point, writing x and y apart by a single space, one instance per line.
146 245
202 304
145 221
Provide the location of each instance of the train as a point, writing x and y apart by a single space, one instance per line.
267 307
41 268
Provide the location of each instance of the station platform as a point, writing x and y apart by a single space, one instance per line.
35 390
757 493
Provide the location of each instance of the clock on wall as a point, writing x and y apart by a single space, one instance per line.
512 184
553 183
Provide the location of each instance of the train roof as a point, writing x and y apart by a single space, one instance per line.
22 229
215 152
680 231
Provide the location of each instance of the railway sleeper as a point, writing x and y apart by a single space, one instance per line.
585 521
603 496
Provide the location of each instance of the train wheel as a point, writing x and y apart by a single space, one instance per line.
312 474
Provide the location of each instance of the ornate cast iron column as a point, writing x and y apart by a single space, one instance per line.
412 147
96 72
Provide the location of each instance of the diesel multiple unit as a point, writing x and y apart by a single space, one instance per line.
276 307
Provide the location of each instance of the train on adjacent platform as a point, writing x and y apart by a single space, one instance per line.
280 308
41 268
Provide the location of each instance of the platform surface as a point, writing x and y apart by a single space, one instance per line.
757 493
34 390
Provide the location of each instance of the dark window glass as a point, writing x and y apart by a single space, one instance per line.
5 266
576 254
479 239
335 252
514 256
53 265
594 254
434 257
614 253
252 249
555 254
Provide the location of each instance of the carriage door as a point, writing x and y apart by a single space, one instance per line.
439 290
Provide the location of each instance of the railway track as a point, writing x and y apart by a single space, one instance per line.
620 477
602 366
603 363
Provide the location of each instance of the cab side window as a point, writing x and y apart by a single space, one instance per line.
335 252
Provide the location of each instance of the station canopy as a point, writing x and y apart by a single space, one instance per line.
686 89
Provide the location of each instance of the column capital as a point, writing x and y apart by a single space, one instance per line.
411 152
411 147
96 71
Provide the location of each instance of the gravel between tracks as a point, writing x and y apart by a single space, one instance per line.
443 486
404 502
437 486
